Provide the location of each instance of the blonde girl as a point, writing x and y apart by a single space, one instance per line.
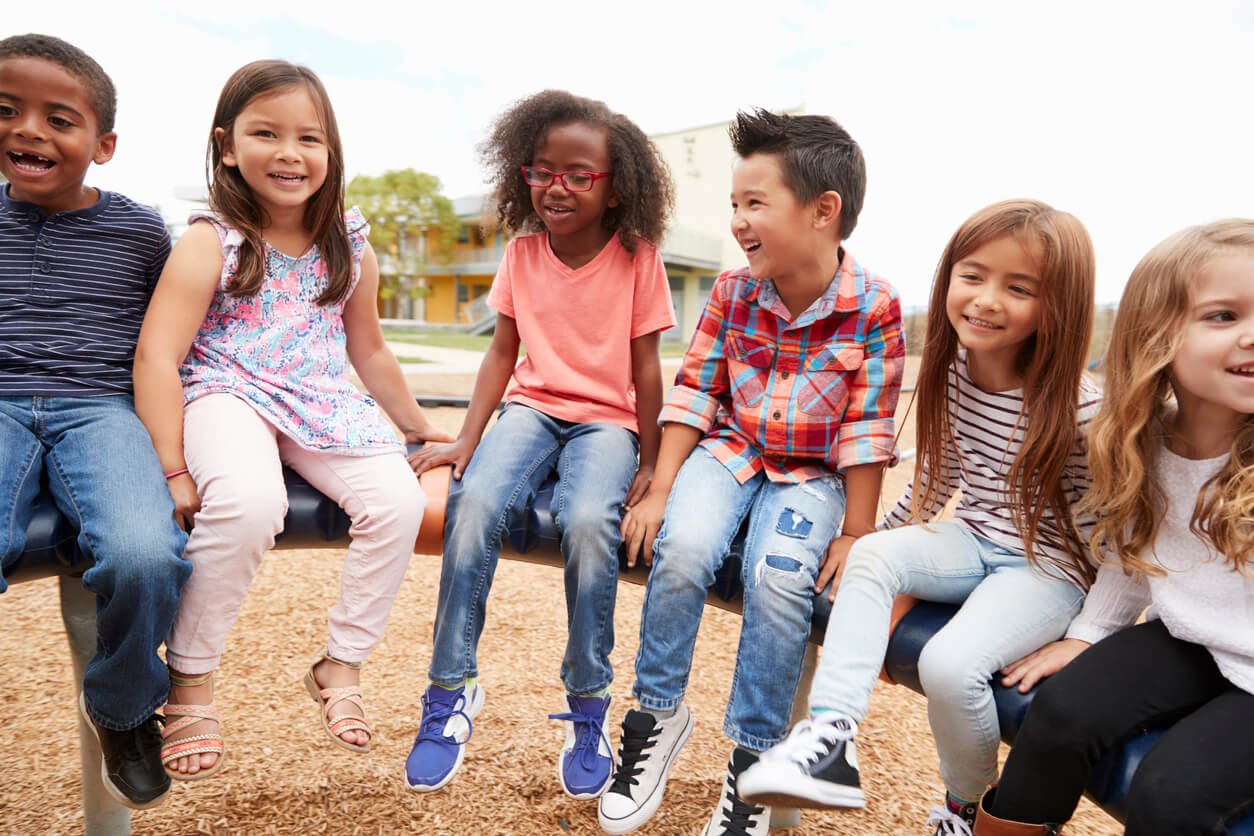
1172 462
1003 406
241 368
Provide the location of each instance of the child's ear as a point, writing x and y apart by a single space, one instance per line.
223 139
613 199
827 209
106 144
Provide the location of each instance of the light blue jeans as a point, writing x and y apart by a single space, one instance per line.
789 528
1008 610
595 464
105 478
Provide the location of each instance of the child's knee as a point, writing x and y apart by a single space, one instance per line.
242 508
947 673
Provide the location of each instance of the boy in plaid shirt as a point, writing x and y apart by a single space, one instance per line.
780 422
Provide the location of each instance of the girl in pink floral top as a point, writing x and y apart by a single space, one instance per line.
242 368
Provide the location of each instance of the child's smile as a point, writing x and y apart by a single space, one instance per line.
573 219
48 133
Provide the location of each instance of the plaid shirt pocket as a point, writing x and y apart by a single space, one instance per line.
749 364
825 390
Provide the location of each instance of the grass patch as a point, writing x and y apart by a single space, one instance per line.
441 339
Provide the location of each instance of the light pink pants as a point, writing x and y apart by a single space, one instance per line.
236 458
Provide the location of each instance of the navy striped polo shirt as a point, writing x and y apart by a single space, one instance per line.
73 291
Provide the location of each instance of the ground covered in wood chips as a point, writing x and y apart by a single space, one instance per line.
284 776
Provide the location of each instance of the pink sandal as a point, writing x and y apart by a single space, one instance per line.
196 744
327 698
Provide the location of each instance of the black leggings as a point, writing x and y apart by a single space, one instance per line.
1194 780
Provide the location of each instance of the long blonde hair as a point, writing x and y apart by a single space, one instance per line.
1051 362
1131 426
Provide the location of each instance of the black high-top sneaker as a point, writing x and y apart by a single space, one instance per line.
815 766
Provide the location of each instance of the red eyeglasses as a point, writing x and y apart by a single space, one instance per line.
572 181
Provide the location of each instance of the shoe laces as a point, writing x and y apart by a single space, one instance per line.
435 715
631 751
738 817
811 739
589 732
947 822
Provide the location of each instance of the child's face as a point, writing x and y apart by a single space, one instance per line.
994 297
767 221
280 149
1213 370
48 134
577 146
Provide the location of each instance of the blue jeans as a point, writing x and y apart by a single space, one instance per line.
105 478
595 464
1008 610
789 528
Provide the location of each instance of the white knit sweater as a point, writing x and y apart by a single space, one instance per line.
1200 600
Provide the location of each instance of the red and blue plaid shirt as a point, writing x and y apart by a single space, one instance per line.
798 398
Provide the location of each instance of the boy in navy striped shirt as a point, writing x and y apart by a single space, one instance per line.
77 267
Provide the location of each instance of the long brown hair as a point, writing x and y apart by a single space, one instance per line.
1051 362
232 199
1131 426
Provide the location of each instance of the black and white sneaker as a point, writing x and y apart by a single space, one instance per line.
733 816
952 820
647 748
816 766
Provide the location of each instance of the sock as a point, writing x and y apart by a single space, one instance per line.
661 714
469 683
954 803
602 694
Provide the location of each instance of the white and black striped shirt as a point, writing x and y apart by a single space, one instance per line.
73 291
988 430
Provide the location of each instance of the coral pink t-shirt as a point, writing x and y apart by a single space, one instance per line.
577 325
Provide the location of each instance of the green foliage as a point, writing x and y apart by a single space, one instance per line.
401 206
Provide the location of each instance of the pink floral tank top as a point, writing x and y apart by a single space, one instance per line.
283 353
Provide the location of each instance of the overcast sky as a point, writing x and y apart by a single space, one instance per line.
1134 116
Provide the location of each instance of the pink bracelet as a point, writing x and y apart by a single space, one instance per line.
176 473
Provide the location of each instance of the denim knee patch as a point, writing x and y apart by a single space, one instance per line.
793 524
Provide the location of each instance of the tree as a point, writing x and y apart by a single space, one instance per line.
403 207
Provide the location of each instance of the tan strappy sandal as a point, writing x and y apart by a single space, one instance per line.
327 698
197 744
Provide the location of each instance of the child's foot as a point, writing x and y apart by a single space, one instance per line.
953 818
336 687
733 816
192 744
586 762
816 766
441 743
646 751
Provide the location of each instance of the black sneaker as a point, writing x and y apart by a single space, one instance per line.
131 764
646 750
733 816
952 819
816 766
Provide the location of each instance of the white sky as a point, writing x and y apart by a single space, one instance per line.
1134 116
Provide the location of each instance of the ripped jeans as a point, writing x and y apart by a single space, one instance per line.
789 528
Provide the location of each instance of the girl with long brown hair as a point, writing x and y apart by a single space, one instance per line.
1172 461
1002 410
241 369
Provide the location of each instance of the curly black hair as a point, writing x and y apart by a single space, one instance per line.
100 90
818 155
641 179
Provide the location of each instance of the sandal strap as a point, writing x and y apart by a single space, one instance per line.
351 665
185 680
347 724
334 696
201 744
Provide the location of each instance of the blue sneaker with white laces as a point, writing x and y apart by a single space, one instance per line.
441 743
586 763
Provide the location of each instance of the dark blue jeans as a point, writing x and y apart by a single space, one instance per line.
105 478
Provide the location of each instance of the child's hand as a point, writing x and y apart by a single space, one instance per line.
1039 664
427 434
834 564
639 485
640 526
433 455
186 500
